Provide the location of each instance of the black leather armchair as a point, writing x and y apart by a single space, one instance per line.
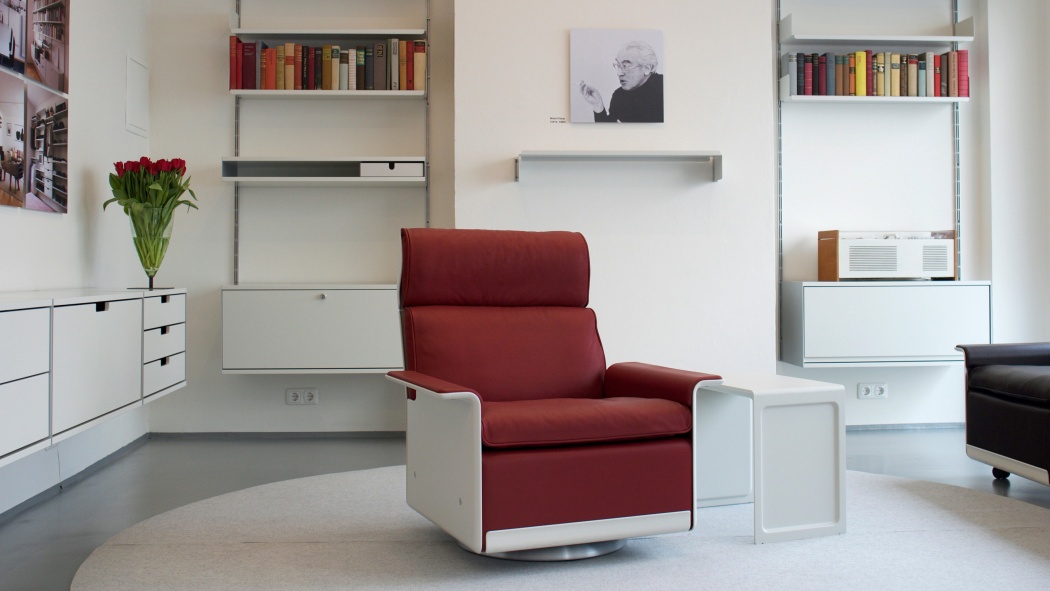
1008 408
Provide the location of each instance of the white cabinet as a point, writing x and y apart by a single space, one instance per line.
25 359
163 343
71 358
311 329
905 323
97 365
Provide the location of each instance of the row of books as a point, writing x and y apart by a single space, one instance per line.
387 65
864 73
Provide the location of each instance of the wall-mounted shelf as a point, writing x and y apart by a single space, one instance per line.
329 94
293 34
712 158
787 97
331 172
964 33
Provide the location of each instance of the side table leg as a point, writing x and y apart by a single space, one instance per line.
799 466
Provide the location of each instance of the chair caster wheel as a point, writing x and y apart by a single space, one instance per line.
1000 474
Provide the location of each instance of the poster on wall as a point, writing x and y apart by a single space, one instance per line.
47 37
616 76
12 146
45 155
13 35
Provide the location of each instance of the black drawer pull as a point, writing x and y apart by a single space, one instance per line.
101 306
164 299
165 330
164 361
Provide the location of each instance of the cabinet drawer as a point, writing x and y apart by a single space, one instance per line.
163 310
864 324
163 341
97 364
25 343
23 413
162 373
311 329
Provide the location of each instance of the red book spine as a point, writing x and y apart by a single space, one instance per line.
807 72
964 72
248 58
869 73
309 69
297 67
936 75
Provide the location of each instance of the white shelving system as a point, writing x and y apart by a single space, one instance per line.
798 330
327 327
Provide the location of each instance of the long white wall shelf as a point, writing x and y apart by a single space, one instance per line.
787 97
712 158
325 172
329 94
964 33
293 34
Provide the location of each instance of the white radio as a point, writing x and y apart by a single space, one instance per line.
885 255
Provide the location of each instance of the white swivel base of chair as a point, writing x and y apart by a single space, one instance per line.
558 553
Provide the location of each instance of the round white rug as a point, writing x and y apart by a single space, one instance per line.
354 531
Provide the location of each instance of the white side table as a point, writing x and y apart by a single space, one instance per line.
777 441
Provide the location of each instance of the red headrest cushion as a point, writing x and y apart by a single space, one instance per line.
493 268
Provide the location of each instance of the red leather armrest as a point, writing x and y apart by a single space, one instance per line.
427 382
642 380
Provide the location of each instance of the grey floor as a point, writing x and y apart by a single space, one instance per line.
42 547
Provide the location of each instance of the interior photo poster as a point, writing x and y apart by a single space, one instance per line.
616 76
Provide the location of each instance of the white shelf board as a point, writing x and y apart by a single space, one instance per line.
286 169
300 181
713 158
290 371
964 33
250 33
308 286
330 94
787 97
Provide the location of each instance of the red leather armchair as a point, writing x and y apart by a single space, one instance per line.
519 438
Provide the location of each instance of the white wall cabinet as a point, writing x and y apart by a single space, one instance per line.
71 358
905 323
311 329
25 359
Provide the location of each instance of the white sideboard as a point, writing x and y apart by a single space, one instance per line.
882 323
72 358
311 329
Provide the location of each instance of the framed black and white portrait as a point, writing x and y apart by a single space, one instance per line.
616 76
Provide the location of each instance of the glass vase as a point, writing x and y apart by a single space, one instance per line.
151 232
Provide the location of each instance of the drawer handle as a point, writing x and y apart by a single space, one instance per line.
164 299
165 330
324 296
164 361
101 306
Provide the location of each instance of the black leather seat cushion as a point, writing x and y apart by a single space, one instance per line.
1028 384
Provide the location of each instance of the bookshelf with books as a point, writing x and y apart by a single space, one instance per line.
369 111
845 164
830 59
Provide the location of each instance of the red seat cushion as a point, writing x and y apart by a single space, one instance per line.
561 421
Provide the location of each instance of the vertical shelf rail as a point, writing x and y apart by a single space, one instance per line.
957 152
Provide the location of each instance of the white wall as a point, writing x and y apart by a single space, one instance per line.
1019 176
683 269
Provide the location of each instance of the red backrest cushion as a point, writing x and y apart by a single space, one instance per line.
508 353
493 268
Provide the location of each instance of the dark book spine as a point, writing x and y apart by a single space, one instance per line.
822 75
800 63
